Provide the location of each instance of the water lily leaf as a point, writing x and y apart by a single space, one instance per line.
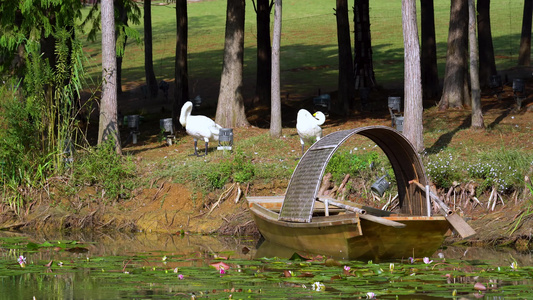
46 244
298 257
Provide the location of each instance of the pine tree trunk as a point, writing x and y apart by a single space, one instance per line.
477 115
230 108
412 83
346 74
275 115
264 54
453 93
151 81
108 126
181 82
430 72
487 63
524 56
123 17
363 66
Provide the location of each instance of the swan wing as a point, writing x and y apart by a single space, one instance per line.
307 127
202 127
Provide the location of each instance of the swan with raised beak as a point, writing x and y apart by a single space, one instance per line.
308 126
199 127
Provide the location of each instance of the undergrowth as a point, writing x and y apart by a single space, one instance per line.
503 169
114 175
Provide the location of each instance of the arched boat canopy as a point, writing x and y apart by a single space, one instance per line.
307 177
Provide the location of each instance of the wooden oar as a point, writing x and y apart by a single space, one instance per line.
363 215
455 220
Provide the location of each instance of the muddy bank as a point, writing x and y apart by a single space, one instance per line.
172 209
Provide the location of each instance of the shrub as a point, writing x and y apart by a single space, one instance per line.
102 167
346 162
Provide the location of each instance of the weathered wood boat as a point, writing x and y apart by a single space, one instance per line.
302 221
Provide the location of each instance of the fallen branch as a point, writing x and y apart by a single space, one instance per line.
239 192
223 196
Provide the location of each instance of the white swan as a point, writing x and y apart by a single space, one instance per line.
308 126
199 127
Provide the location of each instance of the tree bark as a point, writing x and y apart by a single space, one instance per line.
122 18
346 73
275 115
181 82
151 82
524 56
454 93
487 63
477 115
430 72
108 126
363 67
230 108
264 53
412 77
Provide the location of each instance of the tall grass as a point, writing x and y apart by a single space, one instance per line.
39 116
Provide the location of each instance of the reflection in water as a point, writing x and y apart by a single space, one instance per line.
65 278
102 244
497 256
105 270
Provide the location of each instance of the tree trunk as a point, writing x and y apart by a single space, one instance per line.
363 67
453 93
181 82
477 115
430 72
230 109
487 63
108 126
122 18
151 82
346 74
275 115
524 56
264 53
412 77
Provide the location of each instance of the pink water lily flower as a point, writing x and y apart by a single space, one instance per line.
427 261
411 260
22 261
370 295
180 276
346 268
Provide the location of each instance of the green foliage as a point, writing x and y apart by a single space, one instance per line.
500 169
503 169
236 169
126 12
345 162
442 170
113 174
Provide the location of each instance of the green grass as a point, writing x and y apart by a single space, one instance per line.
309 40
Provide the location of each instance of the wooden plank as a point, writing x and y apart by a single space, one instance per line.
363 215
455 220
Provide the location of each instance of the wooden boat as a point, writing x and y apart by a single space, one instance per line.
303 221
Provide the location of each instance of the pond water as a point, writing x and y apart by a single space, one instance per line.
161 266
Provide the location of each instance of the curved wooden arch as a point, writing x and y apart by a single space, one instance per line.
306 178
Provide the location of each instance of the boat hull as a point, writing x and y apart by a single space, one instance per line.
346 236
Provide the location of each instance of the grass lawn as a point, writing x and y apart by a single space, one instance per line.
309 59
